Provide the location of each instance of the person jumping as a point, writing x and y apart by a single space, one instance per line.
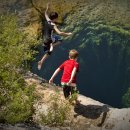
50 40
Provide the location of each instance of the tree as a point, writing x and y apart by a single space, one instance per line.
126 98
16 98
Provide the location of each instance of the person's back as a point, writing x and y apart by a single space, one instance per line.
48 29
68 67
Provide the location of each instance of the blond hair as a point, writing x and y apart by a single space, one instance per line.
73 54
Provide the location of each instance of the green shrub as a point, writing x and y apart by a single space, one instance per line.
16 98
21 107
126 98
58 111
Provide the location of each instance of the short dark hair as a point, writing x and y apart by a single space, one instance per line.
53 15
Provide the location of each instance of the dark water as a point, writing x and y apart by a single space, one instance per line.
101 80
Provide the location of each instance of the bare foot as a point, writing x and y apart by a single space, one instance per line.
39 65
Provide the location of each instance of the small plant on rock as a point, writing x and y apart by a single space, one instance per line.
58 111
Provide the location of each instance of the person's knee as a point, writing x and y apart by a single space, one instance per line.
49 53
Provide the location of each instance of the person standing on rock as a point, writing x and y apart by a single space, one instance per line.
50 40
68 81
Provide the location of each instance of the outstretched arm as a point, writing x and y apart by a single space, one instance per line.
60 32
54 75
46 12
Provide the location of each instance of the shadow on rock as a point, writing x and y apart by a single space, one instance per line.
92 111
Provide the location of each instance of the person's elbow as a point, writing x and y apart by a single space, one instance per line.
58 69
59 32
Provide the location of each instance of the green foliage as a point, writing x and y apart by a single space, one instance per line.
126 98
14 44
58 111
20 108
73 98
104 50
16 98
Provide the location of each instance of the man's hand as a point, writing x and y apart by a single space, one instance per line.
69 33
69 83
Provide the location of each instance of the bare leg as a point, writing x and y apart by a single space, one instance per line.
46 55
42 61
51 47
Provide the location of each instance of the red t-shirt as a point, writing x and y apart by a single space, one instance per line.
68 66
